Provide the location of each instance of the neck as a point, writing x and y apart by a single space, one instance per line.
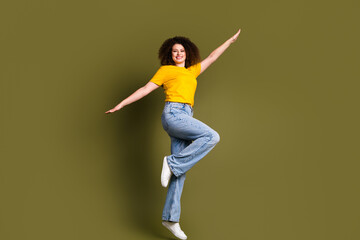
180 64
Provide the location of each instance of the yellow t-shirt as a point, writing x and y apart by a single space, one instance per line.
179 83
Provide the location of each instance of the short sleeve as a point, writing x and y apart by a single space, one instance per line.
195 69
160 76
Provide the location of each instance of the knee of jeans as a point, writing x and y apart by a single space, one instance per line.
215 137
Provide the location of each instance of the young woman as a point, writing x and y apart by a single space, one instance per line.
191 139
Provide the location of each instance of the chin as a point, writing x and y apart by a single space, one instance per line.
176 62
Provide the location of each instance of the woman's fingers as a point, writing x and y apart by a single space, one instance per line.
113 110
233 38
236 34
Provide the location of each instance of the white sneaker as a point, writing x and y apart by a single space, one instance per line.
165 173
175 229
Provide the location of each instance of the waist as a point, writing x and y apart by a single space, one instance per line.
179 104
180 98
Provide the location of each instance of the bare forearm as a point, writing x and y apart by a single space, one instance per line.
138 94
217 52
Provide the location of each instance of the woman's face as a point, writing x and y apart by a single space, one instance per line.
178 54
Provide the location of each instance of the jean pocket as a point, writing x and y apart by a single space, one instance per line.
178 108
177 112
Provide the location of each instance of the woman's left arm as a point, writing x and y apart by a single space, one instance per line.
217 52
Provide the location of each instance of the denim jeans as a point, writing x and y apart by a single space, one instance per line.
191 140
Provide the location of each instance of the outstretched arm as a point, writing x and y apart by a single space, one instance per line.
217 52
137 95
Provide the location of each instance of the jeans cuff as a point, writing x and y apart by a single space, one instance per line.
170 219
172 168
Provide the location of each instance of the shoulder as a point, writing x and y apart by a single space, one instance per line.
163 73
195 69
166 67
195 66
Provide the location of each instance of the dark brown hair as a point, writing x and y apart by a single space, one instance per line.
191 50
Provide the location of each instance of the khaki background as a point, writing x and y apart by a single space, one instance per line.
284 99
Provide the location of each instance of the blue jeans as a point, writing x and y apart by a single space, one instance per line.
191 140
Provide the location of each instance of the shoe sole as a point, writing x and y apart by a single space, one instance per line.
167 183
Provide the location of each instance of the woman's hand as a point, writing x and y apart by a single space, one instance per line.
118 107
233 38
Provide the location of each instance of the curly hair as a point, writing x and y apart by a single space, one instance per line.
191 50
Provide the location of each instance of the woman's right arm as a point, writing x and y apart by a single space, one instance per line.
138 94
217 52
